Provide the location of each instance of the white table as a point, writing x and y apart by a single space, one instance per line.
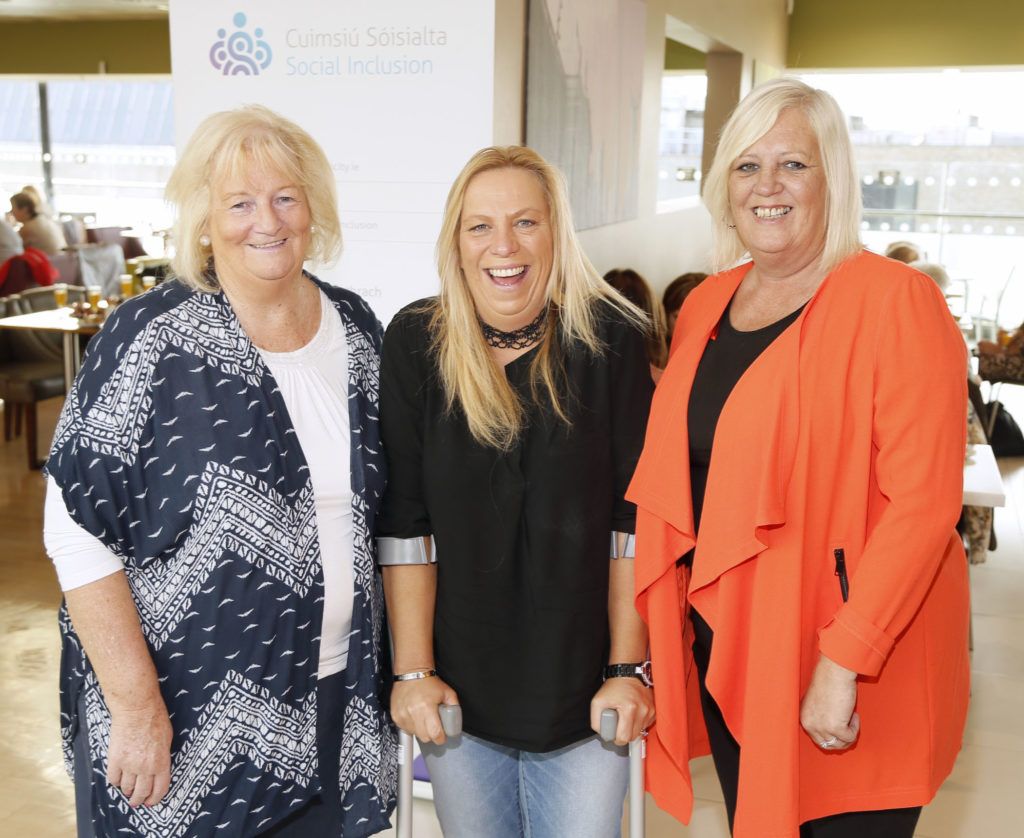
983 485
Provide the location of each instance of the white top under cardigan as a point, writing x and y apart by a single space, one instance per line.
314 384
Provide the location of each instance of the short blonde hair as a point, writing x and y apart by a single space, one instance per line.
901 251
754 117
469 374
227 145
935 271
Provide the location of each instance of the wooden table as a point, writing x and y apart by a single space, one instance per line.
57 320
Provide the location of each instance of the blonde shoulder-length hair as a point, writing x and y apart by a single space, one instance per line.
469 374
228 145
754 117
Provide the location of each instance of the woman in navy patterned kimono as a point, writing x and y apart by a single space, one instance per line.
210 484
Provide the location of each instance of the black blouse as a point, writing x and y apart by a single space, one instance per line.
726 357
522 537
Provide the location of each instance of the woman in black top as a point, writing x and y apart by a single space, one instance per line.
513 408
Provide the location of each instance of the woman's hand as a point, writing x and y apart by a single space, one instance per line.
634 703
139 754
139 757
414 707
827 710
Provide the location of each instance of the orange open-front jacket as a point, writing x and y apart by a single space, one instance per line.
848 433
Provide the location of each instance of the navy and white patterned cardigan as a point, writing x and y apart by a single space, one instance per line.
175 449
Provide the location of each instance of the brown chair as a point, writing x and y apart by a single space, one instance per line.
31 368
131 245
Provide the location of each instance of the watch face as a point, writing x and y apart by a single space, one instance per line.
644 671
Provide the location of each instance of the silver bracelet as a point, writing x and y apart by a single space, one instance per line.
415 676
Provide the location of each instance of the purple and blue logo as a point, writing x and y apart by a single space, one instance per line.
240 54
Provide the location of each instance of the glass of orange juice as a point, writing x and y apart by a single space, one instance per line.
60 294
127 285
94 293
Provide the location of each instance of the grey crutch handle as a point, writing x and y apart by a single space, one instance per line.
637 748
451 723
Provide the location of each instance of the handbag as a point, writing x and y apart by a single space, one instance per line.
1005 434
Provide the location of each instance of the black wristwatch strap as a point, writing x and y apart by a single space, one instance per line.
641 671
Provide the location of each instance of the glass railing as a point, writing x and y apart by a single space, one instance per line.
983 253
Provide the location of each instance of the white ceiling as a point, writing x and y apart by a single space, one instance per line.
84 9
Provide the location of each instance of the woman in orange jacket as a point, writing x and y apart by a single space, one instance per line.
797 560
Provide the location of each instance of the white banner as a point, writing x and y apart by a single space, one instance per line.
398 92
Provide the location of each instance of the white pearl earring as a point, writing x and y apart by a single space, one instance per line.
312 228
204 240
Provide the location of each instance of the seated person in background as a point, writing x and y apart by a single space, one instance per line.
903 252
672 299
10 243
634 288
935 271
37 230
1003 360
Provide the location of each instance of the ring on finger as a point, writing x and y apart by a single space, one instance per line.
831 742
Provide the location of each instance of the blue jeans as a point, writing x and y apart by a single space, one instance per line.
483 789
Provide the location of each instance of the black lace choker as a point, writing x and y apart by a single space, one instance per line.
528 335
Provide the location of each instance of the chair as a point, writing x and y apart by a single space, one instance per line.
19 277
31 367
130 245
102 265
26 270
69 267
74 230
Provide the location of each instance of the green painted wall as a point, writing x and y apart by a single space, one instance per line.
681 57
906 33
41 47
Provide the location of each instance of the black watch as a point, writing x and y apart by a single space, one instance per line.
630 670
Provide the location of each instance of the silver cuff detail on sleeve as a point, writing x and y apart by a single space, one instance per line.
628 550
399 551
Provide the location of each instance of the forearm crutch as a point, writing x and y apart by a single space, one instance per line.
451 722
637 752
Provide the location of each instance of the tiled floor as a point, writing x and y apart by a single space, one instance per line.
979 800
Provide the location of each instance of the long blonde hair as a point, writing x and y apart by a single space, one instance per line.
469 374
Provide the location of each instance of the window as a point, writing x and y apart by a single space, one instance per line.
111 146
21 155
681 137
940 154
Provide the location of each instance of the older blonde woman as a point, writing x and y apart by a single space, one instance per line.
513 408
795 492
210 484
